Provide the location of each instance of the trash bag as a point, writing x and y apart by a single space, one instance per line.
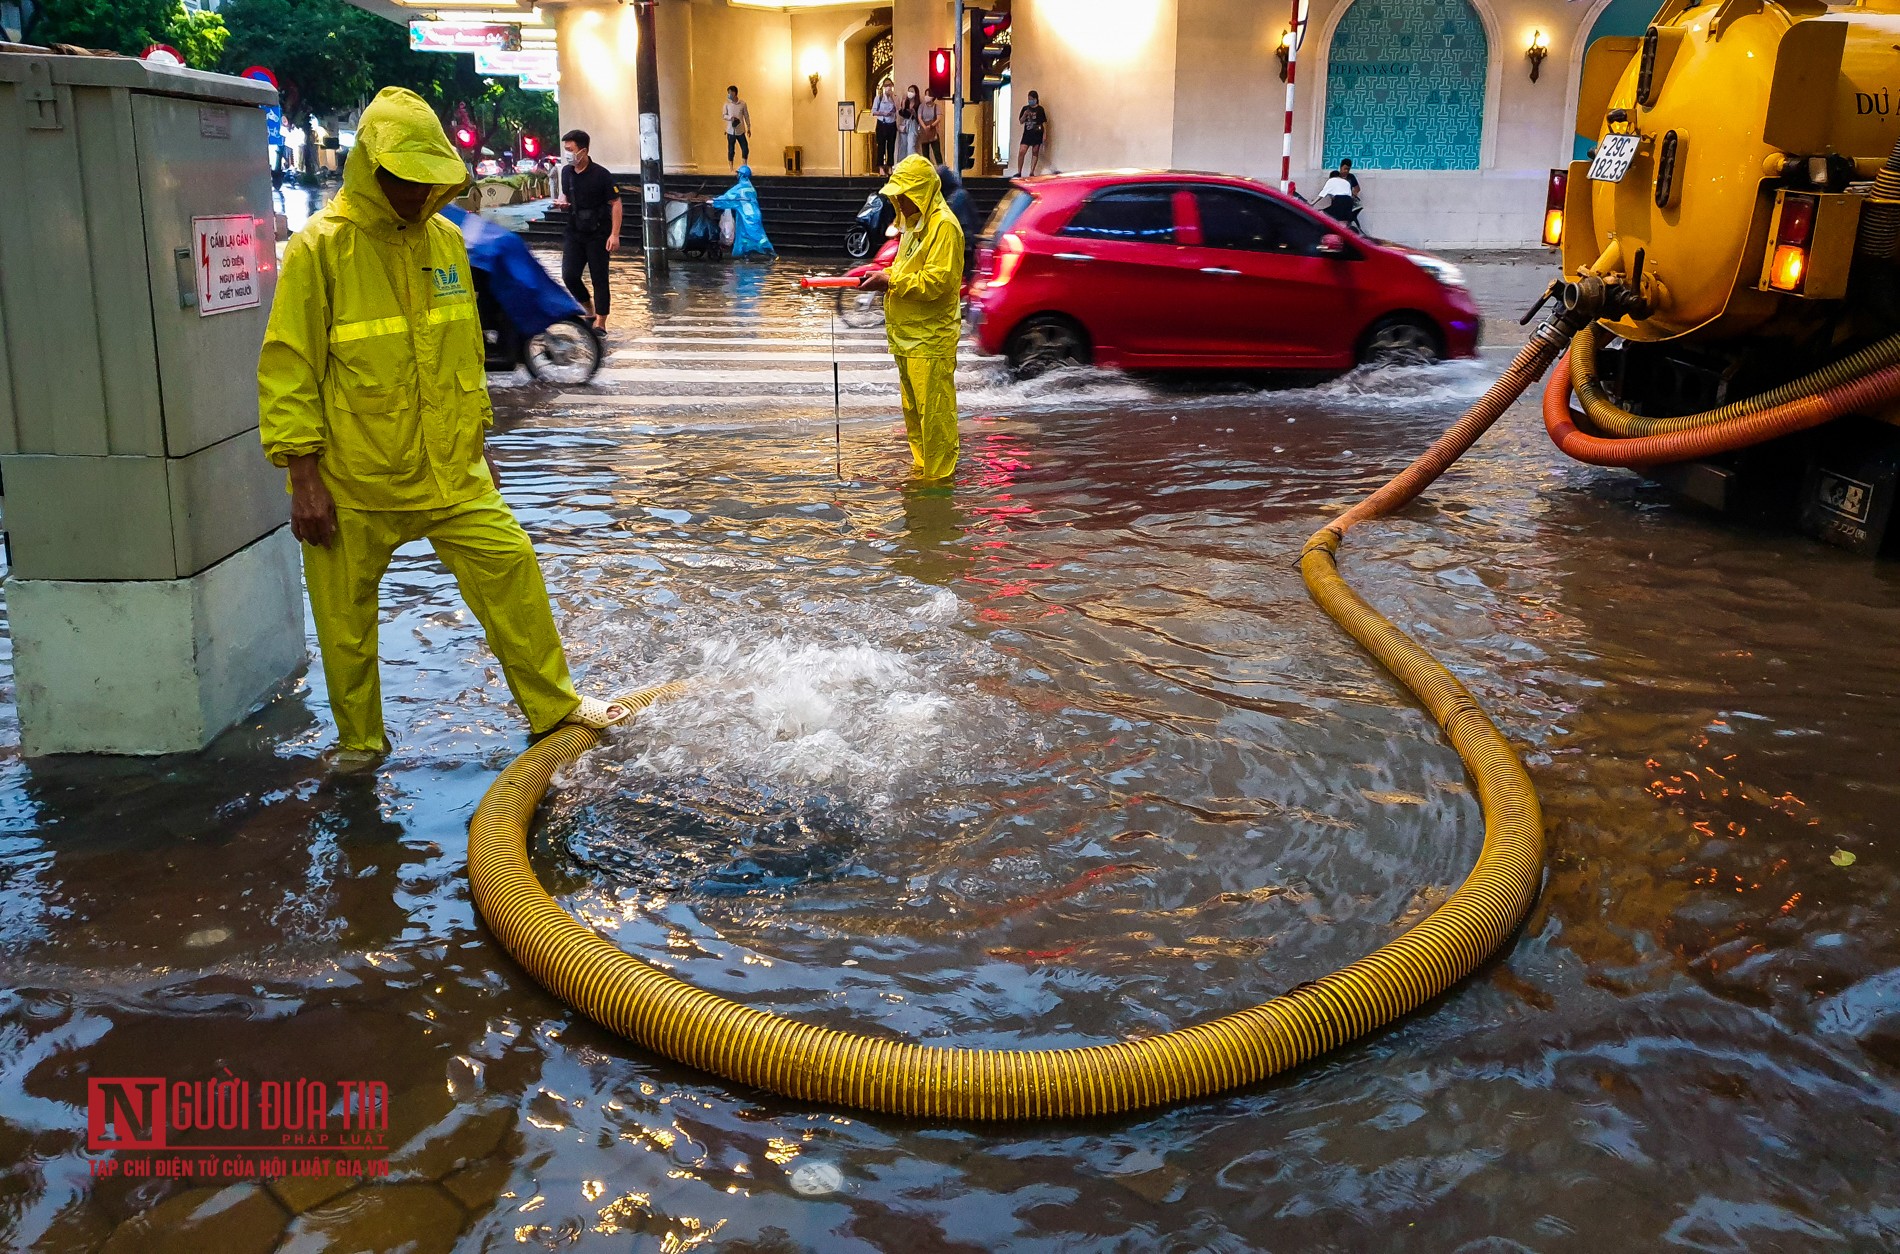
676 215
702 233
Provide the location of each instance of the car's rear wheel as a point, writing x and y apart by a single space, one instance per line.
1046 343
1400 340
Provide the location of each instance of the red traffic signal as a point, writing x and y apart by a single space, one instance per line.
465 137
530 146
941 73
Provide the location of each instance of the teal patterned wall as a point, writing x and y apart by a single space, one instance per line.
1405 86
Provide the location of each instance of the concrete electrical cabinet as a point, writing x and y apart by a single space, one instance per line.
152 594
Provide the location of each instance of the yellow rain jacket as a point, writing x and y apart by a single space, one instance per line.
373 356
922 311
923 316
373 362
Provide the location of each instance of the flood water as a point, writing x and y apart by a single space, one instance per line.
1062 756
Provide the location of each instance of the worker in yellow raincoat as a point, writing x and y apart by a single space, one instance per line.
923 313
372 393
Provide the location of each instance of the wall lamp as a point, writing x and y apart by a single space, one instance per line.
812 78
1284 51
1539 49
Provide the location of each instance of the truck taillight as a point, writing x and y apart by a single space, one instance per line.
1554 207
1788 267
1007 259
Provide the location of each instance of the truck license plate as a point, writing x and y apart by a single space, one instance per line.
1613 158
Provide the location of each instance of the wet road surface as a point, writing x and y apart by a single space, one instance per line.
1061 756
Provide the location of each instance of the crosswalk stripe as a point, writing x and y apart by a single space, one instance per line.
661 355
664 374
726 400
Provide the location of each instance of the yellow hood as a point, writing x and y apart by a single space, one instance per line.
916 178
399 133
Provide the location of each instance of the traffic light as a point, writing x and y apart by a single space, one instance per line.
530 146
989 53
940 73
966 151
465 136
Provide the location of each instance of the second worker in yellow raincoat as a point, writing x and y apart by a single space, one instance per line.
923 316
372 393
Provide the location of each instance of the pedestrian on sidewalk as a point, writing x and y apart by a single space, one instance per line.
884 140
923 314
1034 119
907 123
738 121
930 129
593 226
371 394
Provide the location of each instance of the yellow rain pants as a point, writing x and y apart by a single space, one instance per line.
923 316
493 563
929 387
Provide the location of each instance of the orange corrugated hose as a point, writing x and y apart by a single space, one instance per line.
1855 395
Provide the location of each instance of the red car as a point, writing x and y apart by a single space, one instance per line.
1170 271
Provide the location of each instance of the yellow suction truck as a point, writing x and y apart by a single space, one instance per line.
1739 217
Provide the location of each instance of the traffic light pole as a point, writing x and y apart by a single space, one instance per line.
652 169
956 129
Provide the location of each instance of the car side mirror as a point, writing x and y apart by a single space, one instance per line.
1333 246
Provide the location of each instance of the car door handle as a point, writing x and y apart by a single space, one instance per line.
1073 257
1220 270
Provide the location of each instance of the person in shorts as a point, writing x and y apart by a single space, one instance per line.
1035 123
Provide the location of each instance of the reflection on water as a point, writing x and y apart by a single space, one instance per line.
1061 756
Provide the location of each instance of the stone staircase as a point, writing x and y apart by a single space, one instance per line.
805 216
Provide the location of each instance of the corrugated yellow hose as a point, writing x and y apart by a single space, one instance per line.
884 1073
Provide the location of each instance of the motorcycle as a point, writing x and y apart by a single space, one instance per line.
873 220
527 318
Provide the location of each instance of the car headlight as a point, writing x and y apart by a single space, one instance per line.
1438 268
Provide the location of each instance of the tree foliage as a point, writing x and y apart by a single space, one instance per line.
330 57
198 34
128 26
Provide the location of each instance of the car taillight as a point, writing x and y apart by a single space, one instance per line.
1554 207
1788 267
1008 258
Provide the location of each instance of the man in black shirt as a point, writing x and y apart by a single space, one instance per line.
593 226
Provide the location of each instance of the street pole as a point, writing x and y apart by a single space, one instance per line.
956 112
1293 36
652 170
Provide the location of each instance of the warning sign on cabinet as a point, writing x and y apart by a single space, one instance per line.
226 253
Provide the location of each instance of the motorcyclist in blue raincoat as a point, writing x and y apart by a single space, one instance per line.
748 230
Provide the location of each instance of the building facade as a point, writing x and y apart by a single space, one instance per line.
1433 100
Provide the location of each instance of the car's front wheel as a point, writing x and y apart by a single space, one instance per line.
1046 343
1400 340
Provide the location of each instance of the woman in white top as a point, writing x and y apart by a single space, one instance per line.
907 122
